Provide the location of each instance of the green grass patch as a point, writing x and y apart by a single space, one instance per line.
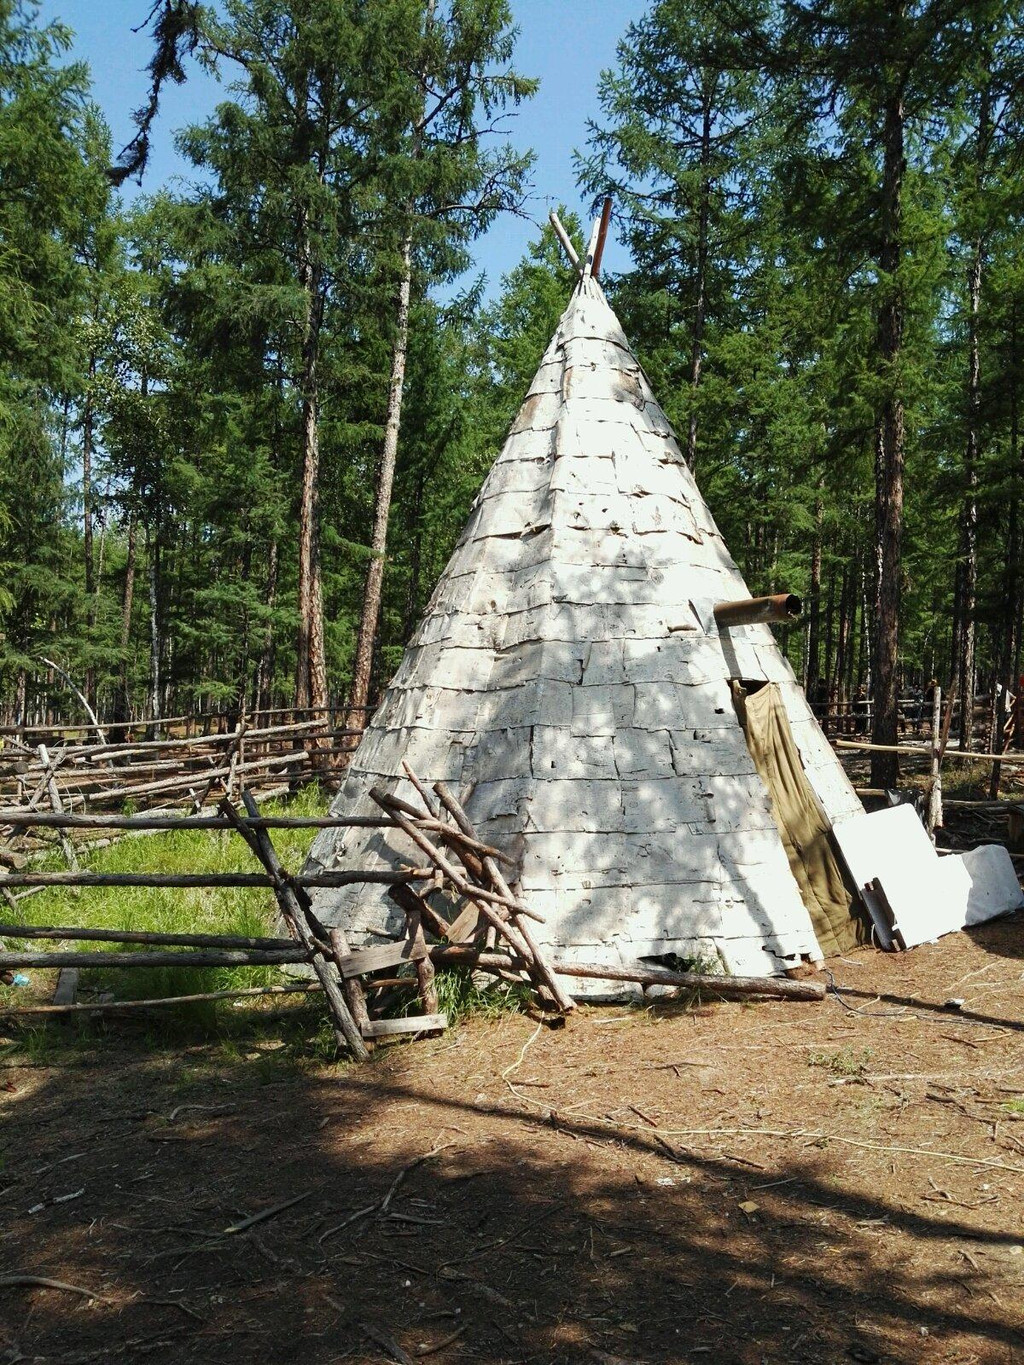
247 911
846 1062
460 997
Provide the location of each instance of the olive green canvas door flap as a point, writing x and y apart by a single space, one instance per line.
799 817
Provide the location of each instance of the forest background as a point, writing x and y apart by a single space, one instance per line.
242 422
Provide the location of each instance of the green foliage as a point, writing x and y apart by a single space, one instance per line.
51 148
178 349
745 148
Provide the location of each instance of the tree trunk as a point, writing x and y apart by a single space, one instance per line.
1015 595
87 538
889 457
382 501
830 673
311 664
814 608
972 445
121 703
21 698
701 281
842 644
154 637
412 595
969 580
265 673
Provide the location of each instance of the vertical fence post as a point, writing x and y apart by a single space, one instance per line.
67 847
934 818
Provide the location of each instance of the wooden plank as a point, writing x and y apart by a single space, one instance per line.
778 986
352 989
375 959
66 992
413 907
392 1028
465 925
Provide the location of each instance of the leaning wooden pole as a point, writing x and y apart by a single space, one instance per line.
294 907
602 236
67 847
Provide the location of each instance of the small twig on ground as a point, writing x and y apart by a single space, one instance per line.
518 1063
352 1218
381 1208
209 1108
440 1346
176 1303
264 1214
386 1201
42 1282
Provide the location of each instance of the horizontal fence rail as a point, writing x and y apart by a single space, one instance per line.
51 820
382 877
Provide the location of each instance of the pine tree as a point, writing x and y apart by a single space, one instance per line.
679 113
53 195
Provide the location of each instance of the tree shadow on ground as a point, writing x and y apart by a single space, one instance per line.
452 1222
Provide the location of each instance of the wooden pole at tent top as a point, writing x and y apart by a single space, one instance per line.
565 241
588 264
602 234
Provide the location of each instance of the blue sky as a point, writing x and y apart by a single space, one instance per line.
563 42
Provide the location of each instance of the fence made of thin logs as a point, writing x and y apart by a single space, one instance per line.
448 865
173 770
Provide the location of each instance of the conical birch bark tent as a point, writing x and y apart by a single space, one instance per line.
660 782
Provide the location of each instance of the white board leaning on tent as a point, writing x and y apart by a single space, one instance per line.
914 894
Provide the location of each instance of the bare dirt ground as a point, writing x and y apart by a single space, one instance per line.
747 1183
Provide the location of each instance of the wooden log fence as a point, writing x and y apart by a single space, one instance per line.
919 751
226 720
163 821
174 768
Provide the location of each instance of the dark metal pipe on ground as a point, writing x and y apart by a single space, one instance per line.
750 611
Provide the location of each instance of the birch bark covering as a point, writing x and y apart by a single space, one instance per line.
550 673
